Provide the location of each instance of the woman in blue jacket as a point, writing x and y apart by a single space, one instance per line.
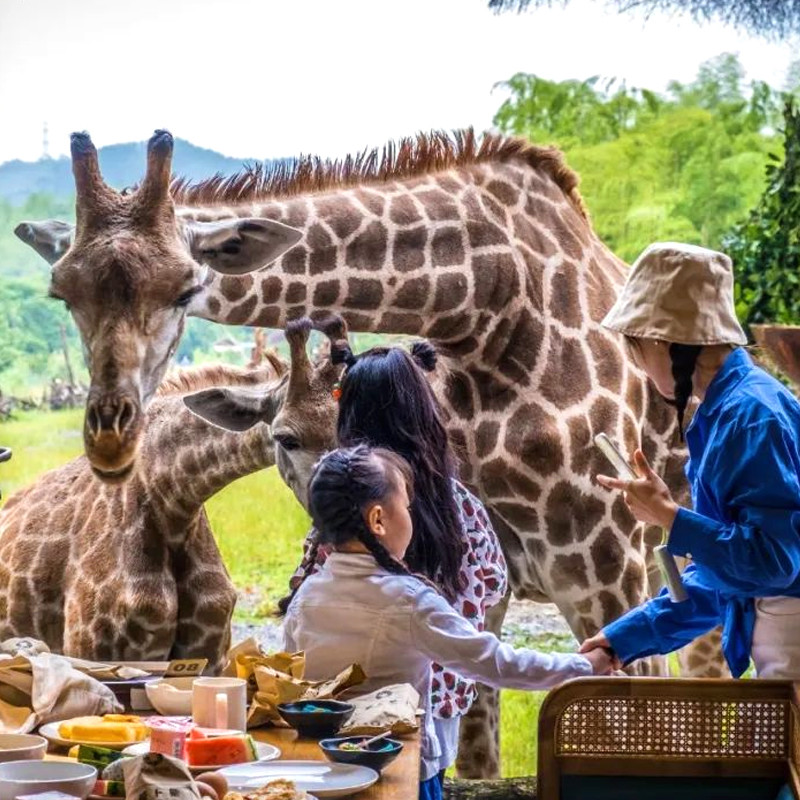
743 536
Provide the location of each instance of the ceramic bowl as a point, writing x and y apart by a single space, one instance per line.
316 724
32 777
171 697
21 747
376 756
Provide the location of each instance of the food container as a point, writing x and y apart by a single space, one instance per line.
316 719
171 696
22 747
31 777
376 756
168 736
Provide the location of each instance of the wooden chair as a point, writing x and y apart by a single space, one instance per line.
669 739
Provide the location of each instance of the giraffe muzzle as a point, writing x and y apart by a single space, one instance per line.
112 430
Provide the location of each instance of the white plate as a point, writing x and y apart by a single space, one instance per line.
50 732
264 751
322 778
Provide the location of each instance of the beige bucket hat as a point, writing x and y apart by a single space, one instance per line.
678 293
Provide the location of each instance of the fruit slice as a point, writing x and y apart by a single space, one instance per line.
220 751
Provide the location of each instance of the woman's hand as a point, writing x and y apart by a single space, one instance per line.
598 646
648 497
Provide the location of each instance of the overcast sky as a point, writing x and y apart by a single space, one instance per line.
262 78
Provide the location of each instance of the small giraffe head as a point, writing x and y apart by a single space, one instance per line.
128 270
303 415
305 427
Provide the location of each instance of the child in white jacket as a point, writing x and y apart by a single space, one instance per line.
365 607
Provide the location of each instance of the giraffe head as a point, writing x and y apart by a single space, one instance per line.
304 420
128 270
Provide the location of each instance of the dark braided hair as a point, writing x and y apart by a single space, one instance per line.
684 360
344 484
387 402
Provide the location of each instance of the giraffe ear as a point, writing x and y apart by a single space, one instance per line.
237 246
233 409
50 238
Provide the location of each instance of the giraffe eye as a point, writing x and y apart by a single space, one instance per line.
287 441
186 298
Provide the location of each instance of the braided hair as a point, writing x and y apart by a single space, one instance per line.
684 360
344 484
387 402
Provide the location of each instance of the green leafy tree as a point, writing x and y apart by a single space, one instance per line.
687 164
766 247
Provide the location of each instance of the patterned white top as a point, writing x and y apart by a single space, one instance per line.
485 579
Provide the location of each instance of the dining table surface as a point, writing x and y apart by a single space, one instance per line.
398 781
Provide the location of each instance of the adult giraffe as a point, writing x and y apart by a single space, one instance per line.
485 248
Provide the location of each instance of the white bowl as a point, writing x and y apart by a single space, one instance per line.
171 697
21 747
30 777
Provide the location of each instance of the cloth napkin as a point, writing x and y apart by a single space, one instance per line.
38 689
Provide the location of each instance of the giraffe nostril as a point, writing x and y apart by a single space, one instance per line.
125 416
93 419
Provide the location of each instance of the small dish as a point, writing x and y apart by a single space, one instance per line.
376 756
21 747
316 724
32 777
321 778
171 697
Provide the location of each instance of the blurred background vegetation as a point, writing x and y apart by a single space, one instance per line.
688 164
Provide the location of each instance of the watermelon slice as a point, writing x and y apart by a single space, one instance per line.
220 751
196 733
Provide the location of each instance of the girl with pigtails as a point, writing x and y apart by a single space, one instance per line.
367 606
386 401
742 537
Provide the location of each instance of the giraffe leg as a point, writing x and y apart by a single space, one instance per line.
206 599
479 737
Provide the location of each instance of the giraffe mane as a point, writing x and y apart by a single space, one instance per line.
426 153
206 375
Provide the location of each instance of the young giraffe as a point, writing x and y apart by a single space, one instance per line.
131 571
484 248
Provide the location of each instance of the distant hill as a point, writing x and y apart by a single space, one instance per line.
122 165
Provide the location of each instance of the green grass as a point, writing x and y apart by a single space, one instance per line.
260 529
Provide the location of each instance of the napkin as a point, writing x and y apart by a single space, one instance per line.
37 689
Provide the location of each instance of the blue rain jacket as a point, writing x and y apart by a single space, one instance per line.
744 534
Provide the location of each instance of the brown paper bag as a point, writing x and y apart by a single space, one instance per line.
392 708
247 655
158 777
275 687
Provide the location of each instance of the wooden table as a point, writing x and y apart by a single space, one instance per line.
399 781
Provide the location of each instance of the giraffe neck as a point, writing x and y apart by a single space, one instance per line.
186 460
444 256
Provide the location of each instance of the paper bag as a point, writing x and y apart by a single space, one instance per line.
158 777
38 689
393 708
274 687
246 656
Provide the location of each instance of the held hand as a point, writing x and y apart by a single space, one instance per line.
599 644
648 497
601 661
